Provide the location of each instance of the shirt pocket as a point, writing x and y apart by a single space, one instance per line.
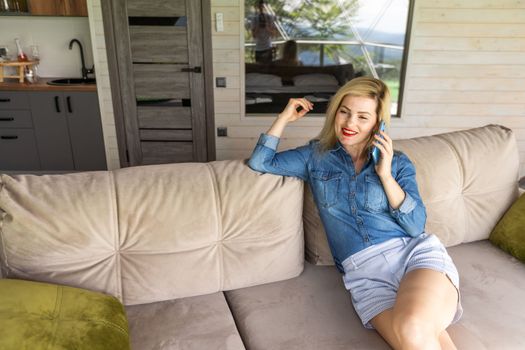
375 197
326 184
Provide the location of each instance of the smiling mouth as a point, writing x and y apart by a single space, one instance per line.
348 132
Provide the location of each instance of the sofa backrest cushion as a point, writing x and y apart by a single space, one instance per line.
153 233
467 180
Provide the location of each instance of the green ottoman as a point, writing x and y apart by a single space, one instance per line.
38 316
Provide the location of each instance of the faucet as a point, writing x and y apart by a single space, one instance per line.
85 71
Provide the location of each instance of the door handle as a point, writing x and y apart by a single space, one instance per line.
57 104
9 137
8 119
5 100
192 70
68 100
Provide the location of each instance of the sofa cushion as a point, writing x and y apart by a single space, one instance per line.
314 311
492 284
37 315
310 312
153 233
467 180
201 322
60 229
509 233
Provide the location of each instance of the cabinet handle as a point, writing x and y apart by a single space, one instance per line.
8 119
69 109
9 137
57 105
5 100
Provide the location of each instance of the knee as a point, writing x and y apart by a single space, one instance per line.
413 331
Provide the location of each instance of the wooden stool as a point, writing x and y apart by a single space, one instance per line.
20 67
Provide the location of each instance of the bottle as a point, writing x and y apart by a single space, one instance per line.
22 57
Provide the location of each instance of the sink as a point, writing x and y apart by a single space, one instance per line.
72 81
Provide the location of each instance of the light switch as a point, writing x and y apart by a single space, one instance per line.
219 22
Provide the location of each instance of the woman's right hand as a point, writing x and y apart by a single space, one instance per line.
290 113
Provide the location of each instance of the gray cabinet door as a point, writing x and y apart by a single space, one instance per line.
85 130
51 130
18 150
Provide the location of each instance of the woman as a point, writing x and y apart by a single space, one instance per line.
402 281
263 30
290 57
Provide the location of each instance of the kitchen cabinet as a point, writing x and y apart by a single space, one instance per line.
68 130
18 149
58 7
51 130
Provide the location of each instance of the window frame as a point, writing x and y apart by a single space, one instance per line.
313 118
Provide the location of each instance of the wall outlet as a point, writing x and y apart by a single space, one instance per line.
222 132
220 82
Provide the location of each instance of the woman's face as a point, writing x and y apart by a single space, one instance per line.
354 122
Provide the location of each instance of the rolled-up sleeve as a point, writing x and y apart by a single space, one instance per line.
411 214
266 159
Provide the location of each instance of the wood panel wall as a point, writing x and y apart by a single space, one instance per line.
96 28
466 68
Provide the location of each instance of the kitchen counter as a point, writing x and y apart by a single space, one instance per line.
41 85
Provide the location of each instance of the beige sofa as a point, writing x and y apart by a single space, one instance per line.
212 256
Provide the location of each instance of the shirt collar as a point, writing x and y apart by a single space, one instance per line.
337 147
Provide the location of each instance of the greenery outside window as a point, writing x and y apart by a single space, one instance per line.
310 48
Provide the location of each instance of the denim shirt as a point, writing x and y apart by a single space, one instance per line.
353 207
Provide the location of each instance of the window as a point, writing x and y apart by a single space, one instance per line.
310 48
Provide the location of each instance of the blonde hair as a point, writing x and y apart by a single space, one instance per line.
362 87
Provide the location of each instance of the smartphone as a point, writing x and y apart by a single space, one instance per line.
376 153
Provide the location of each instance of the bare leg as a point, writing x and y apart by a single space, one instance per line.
384 321
425 305
445 341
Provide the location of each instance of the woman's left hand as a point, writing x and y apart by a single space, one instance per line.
384 144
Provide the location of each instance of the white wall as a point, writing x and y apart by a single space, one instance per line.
466 68
52 35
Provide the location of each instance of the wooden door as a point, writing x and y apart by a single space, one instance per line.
164 80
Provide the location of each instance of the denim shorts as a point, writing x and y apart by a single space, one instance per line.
373 274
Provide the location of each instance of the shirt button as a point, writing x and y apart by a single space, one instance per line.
353 177
353 209
367 239
352 194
